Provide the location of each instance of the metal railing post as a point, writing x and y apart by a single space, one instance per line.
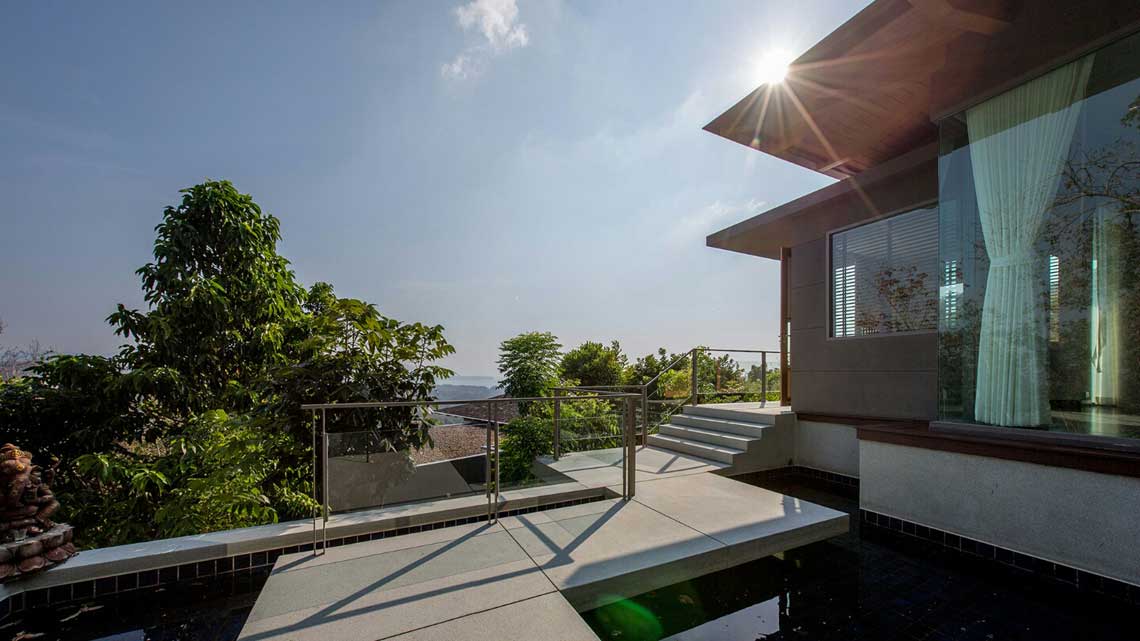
693 381
495 425
763 379
487 461
557 427
324 483
316 480
631 448
644 414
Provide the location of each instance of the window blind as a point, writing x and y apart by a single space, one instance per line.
885 276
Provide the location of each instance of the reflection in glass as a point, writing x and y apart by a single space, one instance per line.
1039 251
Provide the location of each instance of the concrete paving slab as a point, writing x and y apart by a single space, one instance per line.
737 513
381 590
501 581
603 468
544 618
625 549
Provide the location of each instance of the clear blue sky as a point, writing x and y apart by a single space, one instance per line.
490 167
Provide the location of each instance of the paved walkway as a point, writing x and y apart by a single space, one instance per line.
524 577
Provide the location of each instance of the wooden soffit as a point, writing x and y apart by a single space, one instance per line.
873 89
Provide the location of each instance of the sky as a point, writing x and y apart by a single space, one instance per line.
492 166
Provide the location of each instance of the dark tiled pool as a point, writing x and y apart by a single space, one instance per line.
211 609
869 585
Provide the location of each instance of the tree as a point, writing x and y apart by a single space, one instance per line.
594 364
529 365
196 424
221 298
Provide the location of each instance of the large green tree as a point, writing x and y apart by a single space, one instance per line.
529 364
196 424
593 364
221 301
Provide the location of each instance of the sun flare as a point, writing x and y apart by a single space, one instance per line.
772 66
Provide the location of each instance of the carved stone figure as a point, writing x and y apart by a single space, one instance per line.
29 540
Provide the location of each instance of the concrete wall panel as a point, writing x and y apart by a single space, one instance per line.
1081 519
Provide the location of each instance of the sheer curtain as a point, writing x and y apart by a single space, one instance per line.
1105 322
1018 145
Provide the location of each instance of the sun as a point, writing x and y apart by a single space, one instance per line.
772 66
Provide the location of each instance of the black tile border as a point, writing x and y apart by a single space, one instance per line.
839 483
1017 561
237 564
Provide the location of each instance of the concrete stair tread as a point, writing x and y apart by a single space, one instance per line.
728 426
698 432
695 447
730 413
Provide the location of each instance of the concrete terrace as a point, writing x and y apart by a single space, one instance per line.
525 576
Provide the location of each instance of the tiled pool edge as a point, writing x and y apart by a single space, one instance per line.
14 600
1074 577
1044 568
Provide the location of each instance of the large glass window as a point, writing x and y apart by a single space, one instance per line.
1040 249
885 276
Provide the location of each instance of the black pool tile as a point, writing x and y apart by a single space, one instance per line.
1066 574
36 598
952 540
125 582
105 586
148 578
258 559
1003 555
225 565
187 571
168 575
60 594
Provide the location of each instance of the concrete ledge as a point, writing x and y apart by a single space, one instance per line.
100 563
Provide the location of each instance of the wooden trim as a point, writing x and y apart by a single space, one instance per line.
785 320
1059 453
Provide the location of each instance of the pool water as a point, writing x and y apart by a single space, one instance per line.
213 609
869 585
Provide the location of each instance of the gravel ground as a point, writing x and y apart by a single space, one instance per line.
452 441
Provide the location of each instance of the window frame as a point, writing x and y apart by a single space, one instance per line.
829 274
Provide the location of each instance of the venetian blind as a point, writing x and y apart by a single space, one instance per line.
885 276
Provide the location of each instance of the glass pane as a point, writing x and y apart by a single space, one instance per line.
1039 249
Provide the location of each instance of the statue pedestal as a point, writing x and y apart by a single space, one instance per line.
36 553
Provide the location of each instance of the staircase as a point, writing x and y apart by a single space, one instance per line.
746 436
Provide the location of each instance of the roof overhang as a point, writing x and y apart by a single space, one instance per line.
902 183
873 89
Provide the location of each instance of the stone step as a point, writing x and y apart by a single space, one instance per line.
742 428
712 437
727 413
695 448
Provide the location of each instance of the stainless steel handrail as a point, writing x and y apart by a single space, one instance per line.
492 461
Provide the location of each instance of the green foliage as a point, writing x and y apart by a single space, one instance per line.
70 405
196 424
529 365
522 441
589 423
221 473
594 364
221 301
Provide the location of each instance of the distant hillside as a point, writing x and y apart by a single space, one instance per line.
448 392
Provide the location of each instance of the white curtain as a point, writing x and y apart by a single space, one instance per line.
1018 144
1105 327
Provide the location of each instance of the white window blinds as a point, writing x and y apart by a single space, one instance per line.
885 276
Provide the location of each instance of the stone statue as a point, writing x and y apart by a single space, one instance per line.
29 540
